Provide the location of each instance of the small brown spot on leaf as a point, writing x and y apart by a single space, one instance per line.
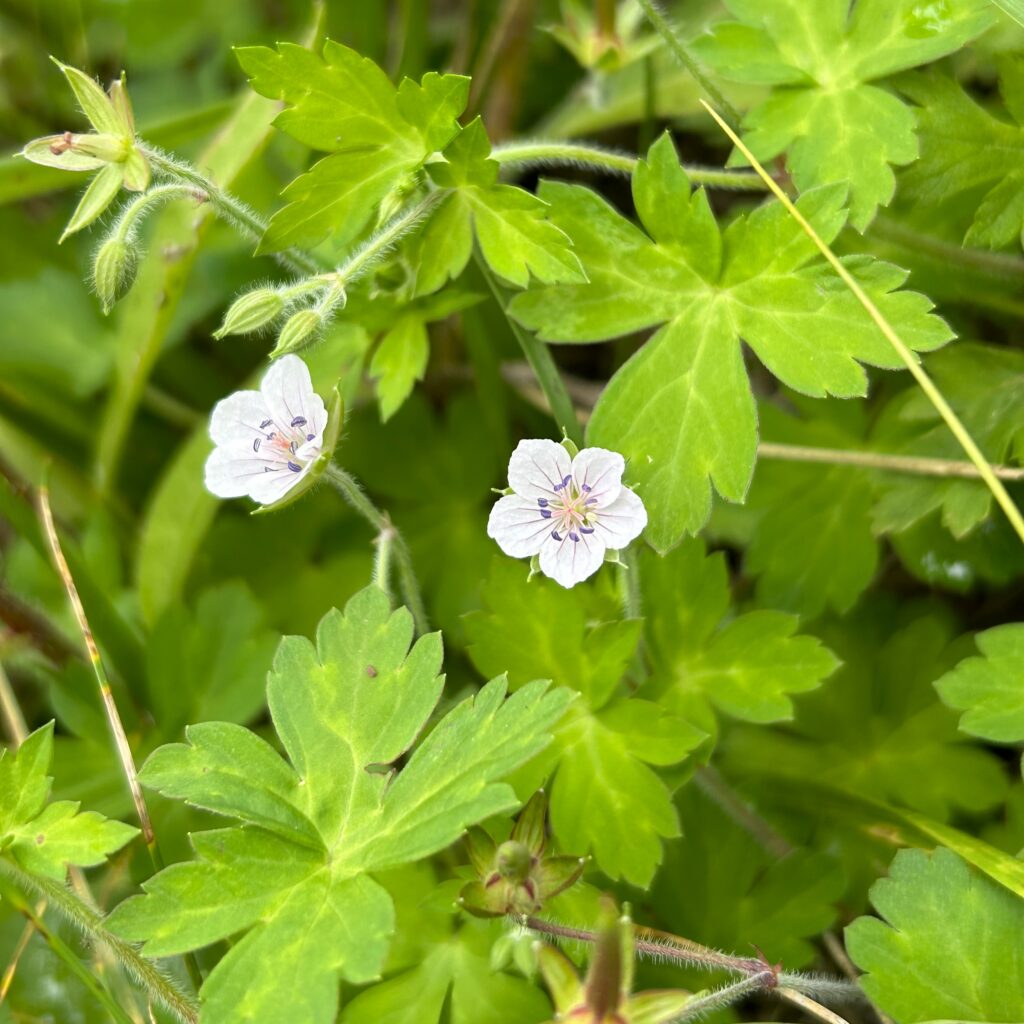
371 671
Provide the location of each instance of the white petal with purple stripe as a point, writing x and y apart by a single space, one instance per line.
268 440
567 511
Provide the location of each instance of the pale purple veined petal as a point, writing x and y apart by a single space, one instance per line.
539 469
238 419
598 475
622 521
569 561
296 408
519 525
264 479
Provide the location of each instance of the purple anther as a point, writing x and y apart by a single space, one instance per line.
545 513
543 502
586 529
294 467
574 538
309 437
565 482
256 444
586 488
555 535
265 424
293 447
299 421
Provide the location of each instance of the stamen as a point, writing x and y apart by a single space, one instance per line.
256 444
574 538
586 529
299 421
294 467
265 424
545 513
554 535
543 502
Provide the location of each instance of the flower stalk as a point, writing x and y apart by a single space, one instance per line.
158 985
348 487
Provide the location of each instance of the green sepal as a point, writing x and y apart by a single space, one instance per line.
62 152
122 104
136 171
299 329
529 828
93 100
102 191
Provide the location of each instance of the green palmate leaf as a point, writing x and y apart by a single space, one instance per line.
958 140
807 528
211 662
947 947
377 135
296 878
605 794
834 124
681 408
400 361
457 971
990 689
719 887
45 838
911 753
985 385
511 225
746 666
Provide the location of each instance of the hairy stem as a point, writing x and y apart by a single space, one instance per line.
586 394
84 917
382 560
538 355
551 152
348 487
1003 265
726 995
89 981
913 464
659 946
378 245
681 52
232 209
711 782
935 396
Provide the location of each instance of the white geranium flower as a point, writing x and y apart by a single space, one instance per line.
268 441
569 511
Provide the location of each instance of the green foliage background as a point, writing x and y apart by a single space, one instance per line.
801 710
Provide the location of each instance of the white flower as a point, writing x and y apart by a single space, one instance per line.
268 440
568 511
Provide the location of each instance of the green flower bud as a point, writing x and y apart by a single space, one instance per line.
513 861
113 270
252 311
299 329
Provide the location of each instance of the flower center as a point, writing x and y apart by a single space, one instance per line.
283 444
572 512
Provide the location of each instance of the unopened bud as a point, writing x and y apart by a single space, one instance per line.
514 861
113 270
300 328
252 311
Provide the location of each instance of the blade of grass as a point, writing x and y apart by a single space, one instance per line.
927 385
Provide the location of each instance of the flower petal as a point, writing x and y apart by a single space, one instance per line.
569 561
537 468
288 391
265 480
622 521
238 420
600 471
519 527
